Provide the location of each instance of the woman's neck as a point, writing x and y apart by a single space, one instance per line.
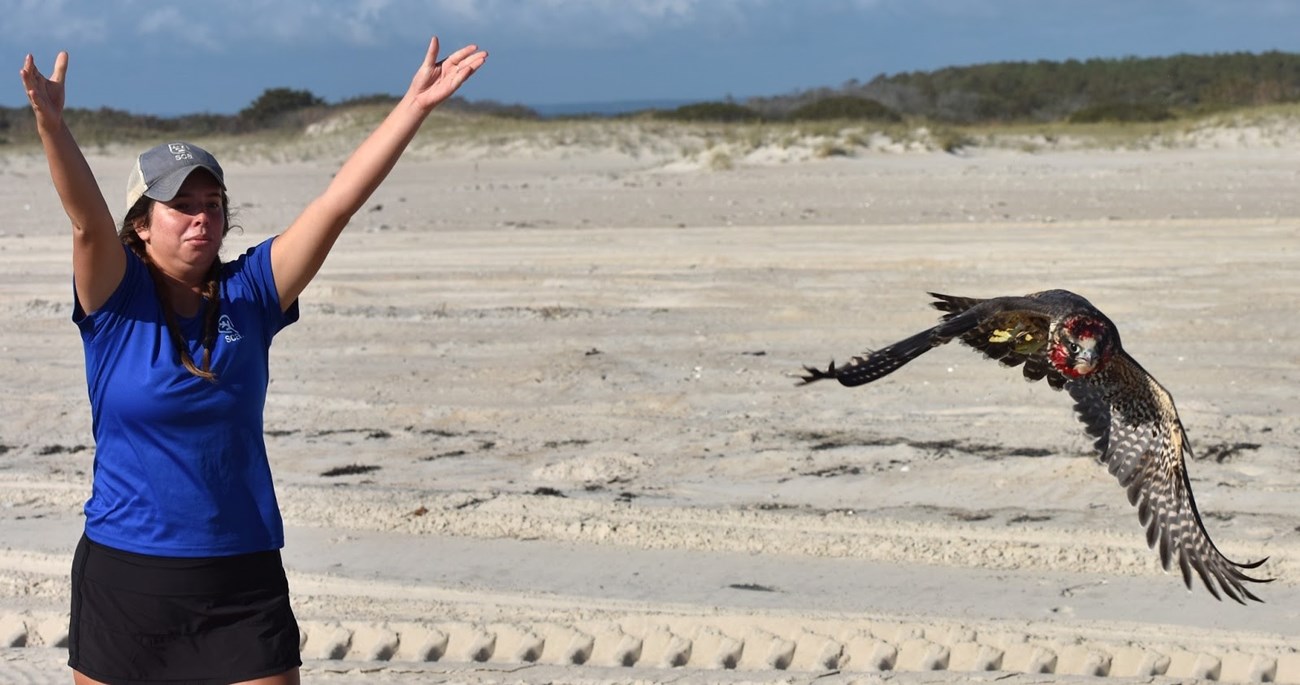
184 292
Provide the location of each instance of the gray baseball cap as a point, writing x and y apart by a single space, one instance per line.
160 171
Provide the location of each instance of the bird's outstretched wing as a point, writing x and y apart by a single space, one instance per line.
1012 330
1141 440
877 364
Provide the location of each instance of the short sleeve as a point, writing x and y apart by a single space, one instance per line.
251 277
119 305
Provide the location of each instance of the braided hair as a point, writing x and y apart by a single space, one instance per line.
137 218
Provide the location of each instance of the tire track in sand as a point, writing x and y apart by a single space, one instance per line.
505 629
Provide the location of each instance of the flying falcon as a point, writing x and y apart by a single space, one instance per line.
1060 336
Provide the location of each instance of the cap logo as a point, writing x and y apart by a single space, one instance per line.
180 151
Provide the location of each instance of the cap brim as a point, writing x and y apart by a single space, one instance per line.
165 188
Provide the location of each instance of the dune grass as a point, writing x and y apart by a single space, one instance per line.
711 145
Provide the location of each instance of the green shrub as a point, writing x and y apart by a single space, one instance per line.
727 112
951 139
1121 112
844 107
274 103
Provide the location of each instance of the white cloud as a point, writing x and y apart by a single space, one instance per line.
61 21
534 23
364 22
167 24
374 21
586 23
549 11
280 22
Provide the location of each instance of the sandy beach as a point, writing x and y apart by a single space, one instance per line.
539 421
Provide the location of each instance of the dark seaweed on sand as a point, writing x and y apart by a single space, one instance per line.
349 470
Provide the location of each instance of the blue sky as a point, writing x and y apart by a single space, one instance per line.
183 57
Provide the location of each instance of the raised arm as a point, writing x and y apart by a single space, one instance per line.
98 261
297 254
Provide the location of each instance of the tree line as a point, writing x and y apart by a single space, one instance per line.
274 109
1129 88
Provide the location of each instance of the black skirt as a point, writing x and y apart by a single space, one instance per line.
139 618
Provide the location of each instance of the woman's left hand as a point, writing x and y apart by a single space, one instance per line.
438 79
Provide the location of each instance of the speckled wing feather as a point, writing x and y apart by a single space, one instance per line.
1141 440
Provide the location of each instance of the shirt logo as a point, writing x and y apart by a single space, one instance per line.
226 328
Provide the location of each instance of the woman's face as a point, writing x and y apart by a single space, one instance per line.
184 233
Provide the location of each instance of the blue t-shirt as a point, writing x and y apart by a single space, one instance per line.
180 462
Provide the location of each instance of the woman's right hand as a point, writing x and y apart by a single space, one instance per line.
45 94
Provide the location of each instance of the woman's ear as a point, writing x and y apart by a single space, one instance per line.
141 228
